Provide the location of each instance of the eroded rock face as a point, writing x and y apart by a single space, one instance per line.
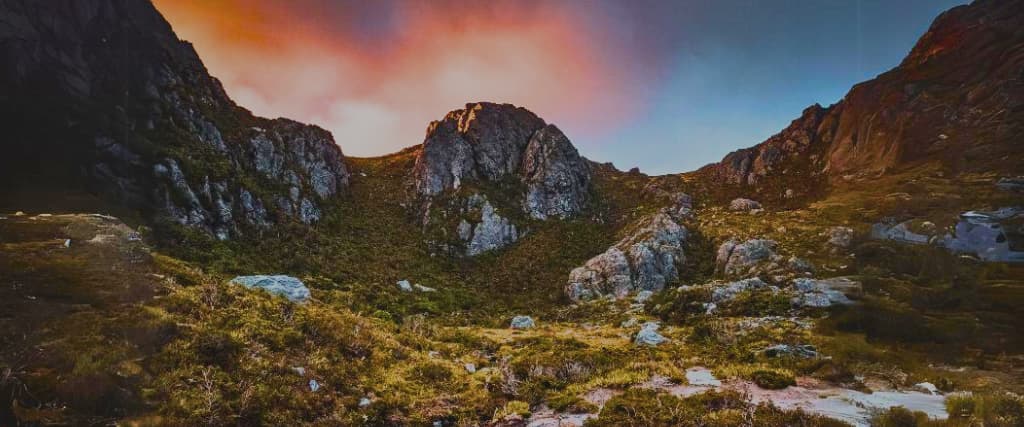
131 112
505 147
647 259
492 232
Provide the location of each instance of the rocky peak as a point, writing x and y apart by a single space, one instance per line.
513 157
484 141
103 95
956 99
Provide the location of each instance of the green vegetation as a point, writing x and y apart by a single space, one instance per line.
158 337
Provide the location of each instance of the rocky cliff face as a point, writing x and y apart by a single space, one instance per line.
501 154
102 95
957 98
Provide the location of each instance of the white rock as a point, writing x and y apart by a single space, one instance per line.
927 387
404 286
422 288
649 335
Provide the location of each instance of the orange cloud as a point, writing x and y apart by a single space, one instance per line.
376 93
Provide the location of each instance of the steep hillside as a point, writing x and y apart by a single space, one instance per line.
957 100
102 97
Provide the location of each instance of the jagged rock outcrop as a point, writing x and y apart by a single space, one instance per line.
509 152
956 98
748 258
102 96
646 260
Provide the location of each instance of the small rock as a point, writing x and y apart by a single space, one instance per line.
299 370
364 402
67 243
840 237
643 296
744 205
800 265
19 213
471 368
928 388
522 322
404 286
631 322
314 386
422 288
649 335
730 290
801 351
1011 184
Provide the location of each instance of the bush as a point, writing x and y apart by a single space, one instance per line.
1004 409
899 416
514 408
772 380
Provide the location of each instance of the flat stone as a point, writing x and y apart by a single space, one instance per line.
286 286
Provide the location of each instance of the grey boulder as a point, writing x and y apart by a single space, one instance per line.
286 286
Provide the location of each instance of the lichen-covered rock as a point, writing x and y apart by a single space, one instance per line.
522 322
743 205
286 286
647 259
739 259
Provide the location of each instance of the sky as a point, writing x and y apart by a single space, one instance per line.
666 86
